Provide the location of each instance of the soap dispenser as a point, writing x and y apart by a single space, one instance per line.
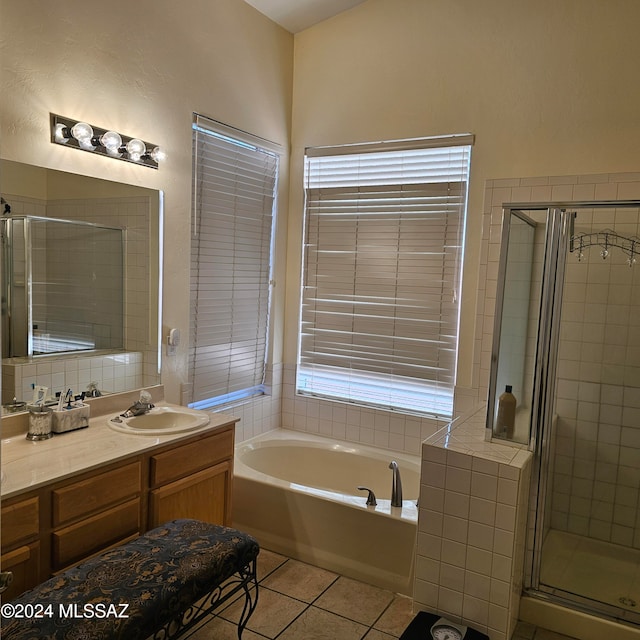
506 419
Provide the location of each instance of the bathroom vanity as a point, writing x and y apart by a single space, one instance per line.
79 493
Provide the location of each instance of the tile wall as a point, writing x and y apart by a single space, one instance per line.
384 429
596 488
261 414
282 408
472 527
111 372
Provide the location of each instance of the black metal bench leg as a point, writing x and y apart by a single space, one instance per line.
249 584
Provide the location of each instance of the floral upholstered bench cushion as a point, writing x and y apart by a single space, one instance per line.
133 590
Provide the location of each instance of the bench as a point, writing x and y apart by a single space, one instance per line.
159 585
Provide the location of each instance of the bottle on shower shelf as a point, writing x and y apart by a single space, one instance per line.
506 418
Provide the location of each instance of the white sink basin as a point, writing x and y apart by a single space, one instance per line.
161 420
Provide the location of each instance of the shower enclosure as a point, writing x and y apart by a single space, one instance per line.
567 339
62 286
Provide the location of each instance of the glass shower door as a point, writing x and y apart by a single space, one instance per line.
587 547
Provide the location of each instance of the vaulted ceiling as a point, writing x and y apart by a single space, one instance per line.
296 15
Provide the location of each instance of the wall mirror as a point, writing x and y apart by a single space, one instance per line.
81 280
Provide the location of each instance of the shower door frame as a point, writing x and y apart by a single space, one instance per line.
559 217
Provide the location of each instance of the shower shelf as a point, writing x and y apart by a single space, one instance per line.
606 239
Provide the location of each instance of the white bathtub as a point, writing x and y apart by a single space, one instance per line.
297 494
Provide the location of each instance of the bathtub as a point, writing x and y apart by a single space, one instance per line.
297 494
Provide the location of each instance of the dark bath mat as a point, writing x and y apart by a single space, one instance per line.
428 626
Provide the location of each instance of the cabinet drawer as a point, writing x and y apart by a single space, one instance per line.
20 521
24 563
93 494
93 534
190 458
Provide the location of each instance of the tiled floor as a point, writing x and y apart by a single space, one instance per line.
298 601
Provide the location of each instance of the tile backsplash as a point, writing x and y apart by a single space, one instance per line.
112 373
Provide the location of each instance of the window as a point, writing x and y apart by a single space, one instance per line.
383 243
234 194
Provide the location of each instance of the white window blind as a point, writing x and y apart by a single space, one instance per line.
381 273
235 177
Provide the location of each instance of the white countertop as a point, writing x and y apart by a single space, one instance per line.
27 464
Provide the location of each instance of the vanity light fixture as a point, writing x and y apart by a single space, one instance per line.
81 135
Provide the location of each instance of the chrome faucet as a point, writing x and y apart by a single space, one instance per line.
371 497
396 485
139 407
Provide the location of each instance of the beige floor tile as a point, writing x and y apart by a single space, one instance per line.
355 600
318 624
268 561
396 617
219 629
273 613
374 634
299 580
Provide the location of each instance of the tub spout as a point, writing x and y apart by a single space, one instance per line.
396 485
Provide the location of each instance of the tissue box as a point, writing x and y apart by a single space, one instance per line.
70 419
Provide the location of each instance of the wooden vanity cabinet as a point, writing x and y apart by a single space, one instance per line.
49 529
20 522
193 481
94 513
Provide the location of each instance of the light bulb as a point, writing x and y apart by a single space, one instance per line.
158 155
82 132
111 141
135 149
60 133
604 253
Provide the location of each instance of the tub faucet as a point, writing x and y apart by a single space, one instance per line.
371 497
396 485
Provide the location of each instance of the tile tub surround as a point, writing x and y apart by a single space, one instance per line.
472 527
389 430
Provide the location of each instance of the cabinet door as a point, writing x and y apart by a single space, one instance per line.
24 563
205 495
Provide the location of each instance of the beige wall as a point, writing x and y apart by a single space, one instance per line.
547 87
143 67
